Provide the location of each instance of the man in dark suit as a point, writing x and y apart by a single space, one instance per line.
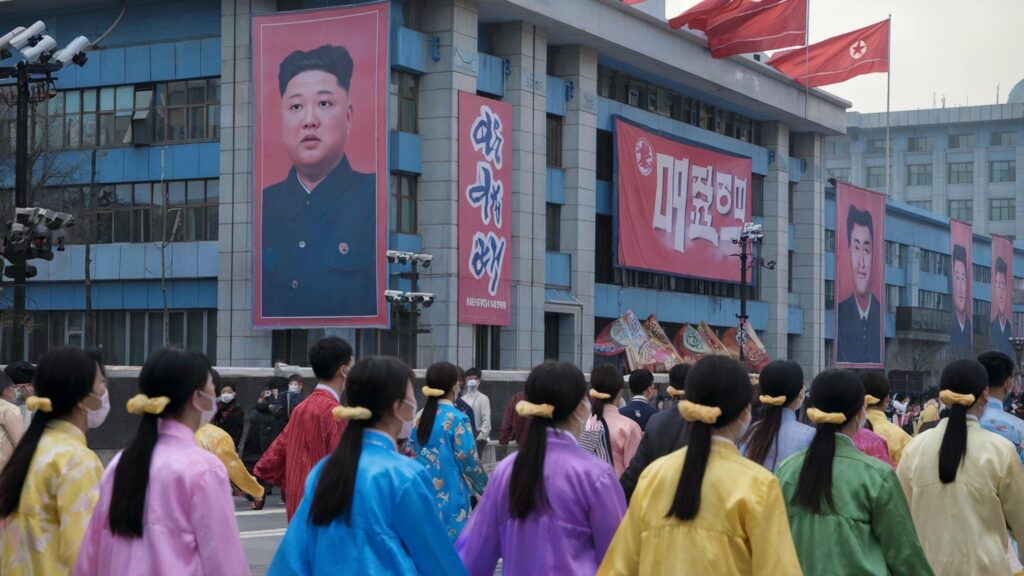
319 225
639 409
999 331
961 337
666 432
858 320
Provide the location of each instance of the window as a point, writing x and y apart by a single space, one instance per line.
290 346
919 144
487 347
403 204
1004 138
1000 209
962 210
919 174
874 176
604 253
830 294
838 147
756 195
895 254
931 300
922 204
830 240
893 297
552 322
961 141
982 313
789 280
875 146
605 156
553 216
961 173
404 99
840 174
1002 171
982 274
186 110
554 139
136 212
934 263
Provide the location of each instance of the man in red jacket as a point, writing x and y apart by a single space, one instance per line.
312 432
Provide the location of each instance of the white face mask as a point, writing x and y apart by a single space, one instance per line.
472 385
407 425
206 416
95 418
225 398
293 388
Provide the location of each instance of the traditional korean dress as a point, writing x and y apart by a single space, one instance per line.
741 527
895 438
568 536
793 437
962 525
216 441
451 459
624 434
393 526
189 526
873 445
43 536
870 531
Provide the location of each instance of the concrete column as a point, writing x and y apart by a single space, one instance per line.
578 64
525 46
454 24
808 259
774 290
237 343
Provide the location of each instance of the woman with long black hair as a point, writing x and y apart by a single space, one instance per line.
965 485
551 508
618 437
165 504
778 434
443 442
705 509
368 509
48 488
846 509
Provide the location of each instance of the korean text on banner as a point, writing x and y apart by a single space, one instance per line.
860 312
679 206
485 211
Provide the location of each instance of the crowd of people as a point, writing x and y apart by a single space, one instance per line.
715 474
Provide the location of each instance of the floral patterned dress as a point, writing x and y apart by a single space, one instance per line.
451 459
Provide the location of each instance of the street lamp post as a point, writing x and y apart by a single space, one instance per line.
415 299
751 236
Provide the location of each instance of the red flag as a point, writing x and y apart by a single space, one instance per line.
697 17
839 58
633 1
756 25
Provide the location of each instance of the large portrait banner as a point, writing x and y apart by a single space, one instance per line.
320 89
485 211
679 206
859 277
961 337
1000 326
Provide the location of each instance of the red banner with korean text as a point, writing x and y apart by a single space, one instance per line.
859 278
679 206
485 211
1000 326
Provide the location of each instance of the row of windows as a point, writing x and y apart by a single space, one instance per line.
981 274
123 337
934 262
999 209
921 174
893 296
670 104
923 144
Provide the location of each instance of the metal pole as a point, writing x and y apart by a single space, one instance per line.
414 310
743 297
888 139
18 256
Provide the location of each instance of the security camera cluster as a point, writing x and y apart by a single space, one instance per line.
399 257
424 299
37 47
43 228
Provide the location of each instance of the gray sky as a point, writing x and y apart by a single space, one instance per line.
939 47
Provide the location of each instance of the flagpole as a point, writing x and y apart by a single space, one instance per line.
888 139
807 59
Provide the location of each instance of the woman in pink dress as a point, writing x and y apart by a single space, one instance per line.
621 434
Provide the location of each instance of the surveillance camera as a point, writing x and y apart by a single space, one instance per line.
394 296
41 49
5 40
25 216
69 52
424 260
425 298
22 39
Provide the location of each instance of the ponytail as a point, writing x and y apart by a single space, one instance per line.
961 384
686 503
597 410
12 480
954 444
781 382
425 425
131 480
527 481
441 377
761 437
337 483
815 483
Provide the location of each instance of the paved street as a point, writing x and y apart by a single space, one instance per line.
261 531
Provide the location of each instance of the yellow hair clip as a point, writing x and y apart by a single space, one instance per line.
870 400
34 403
772 400
819 417
949 398
599 395
432 392
351 413
694 412
675 392
141 404
528 409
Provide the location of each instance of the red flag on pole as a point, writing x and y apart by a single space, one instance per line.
697 17
756 25
839 58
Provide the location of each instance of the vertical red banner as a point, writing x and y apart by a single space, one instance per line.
485 211
1000 326
860 278
320 167
961 279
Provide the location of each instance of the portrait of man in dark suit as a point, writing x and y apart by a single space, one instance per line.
999 330
960 339
858 319
319 225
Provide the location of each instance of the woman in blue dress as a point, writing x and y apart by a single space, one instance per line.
443 442
369 509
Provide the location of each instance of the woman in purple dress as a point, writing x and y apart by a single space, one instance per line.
551 508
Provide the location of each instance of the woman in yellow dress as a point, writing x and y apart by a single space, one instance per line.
705 509
49 487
